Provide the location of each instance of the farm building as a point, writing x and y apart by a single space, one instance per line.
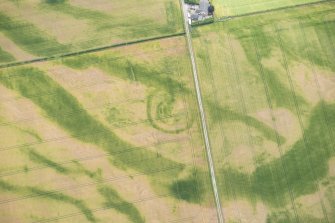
201 12
204 5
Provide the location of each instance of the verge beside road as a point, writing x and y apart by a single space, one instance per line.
202 116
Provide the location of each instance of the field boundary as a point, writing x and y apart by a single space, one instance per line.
226 18
202 116
87 51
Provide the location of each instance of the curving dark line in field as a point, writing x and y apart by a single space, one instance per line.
31 81
57 196
113 199
261 182
41 159
218 113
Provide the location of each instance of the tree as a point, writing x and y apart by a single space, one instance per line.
210 10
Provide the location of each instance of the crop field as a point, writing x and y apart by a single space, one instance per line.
100 123
268 84
238 7
101 137
31 28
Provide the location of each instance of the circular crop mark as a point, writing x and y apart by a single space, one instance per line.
168 113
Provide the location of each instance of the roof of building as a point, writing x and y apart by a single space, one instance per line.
194 16
203 5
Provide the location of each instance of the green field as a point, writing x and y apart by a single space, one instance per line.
240 7
114 134
268 82
5 57
103 130
48 28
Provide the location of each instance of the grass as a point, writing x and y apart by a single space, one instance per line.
80 13
29 37
56 105
51 195
218 114
173 16
160 75
246 67
238 7
249 65
123 68
161 115
41 159
113 200
66 199
31 81
165 88
5 56
122 23
166 84
135 26
194 2
55 1
190 189
306 163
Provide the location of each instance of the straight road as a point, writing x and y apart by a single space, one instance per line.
202 115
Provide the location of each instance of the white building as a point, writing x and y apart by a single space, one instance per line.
196 13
